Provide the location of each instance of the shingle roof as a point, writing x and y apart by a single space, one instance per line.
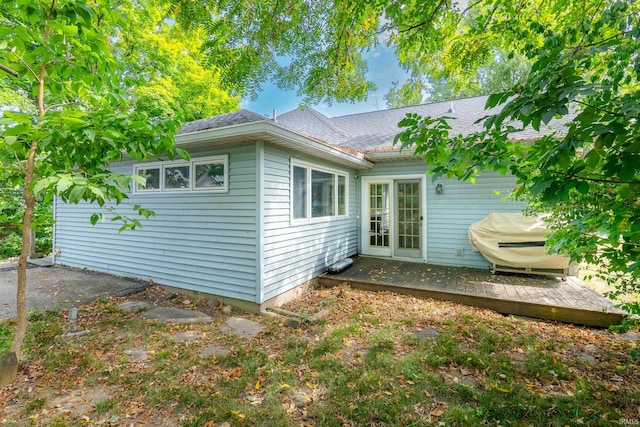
236 118
378 128
309 121
374 130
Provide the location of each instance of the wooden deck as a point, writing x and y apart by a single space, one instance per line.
525 295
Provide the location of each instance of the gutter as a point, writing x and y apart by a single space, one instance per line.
391 155
271 132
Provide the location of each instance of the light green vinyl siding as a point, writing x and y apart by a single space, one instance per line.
198 241
296 253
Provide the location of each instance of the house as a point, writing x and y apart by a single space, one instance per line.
264 205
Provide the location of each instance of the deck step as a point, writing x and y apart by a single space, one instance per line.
567 314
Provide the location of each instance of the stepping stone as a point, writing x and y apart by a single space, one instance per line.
175 315
587 358
215 350
425 333
130 306
187 336
138 354
630 336
244 328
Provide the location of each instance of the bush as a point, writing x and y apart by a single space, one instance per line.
10 245
11 213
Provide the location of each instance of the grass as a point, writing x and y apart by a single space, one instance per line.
364 364
6 334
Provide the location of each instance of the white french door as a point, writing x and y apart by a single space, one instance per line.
392 218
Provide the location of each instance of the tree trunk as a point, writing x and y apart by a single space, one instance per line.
21 290
30 202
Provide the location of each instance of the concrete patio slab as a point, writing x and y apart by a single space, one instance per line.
54 288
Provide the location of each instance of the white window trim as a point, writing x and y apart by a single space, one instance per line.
336 173
224 159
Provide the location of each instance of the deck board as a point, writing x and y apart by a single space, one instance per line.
527 295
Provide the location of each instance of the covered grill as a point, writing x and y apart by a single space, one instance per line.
513 242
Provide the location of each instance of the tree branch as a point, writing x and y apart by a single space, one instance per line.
51 107
604 110
608 180
25 64
9 70
428 20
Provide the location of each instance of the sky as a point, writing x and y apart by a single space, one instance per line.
383 69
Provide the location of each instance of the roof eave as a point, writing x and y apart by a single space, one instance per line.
273 133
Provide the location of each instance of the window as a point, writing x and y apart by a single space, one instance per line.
317 193
176 177
342 195
322 186
203 174
299 192
210 174
152 177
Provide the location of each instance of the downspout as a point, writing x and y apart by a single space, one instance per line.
259 222
54 249
358 213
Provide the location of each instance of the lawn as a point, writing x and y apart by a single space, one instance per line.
373 359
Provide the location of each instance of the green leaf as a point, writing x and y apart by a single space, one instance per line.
19 117
63 184
77 193
10 140
95 218
70 30
97 192
44 184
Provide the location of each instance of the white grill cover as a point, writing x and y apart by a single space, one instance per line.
508 230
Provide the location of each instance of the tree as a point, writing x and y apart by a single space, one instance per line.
500 74
410 93
179 80
587 178
58 54
177 83
319 46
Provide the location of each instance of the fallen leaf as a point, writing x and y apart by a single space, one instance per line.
437 412
235 373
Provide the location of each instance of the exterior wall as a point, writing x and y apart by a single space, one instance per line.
449 215
295 253
203 242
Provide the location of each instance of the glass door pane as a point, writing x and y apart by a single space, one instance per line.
409 219
379 215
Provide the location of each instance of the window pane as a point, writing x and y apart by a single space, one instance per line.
322 199
299 192
176 177
342 195
209 175
152 175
